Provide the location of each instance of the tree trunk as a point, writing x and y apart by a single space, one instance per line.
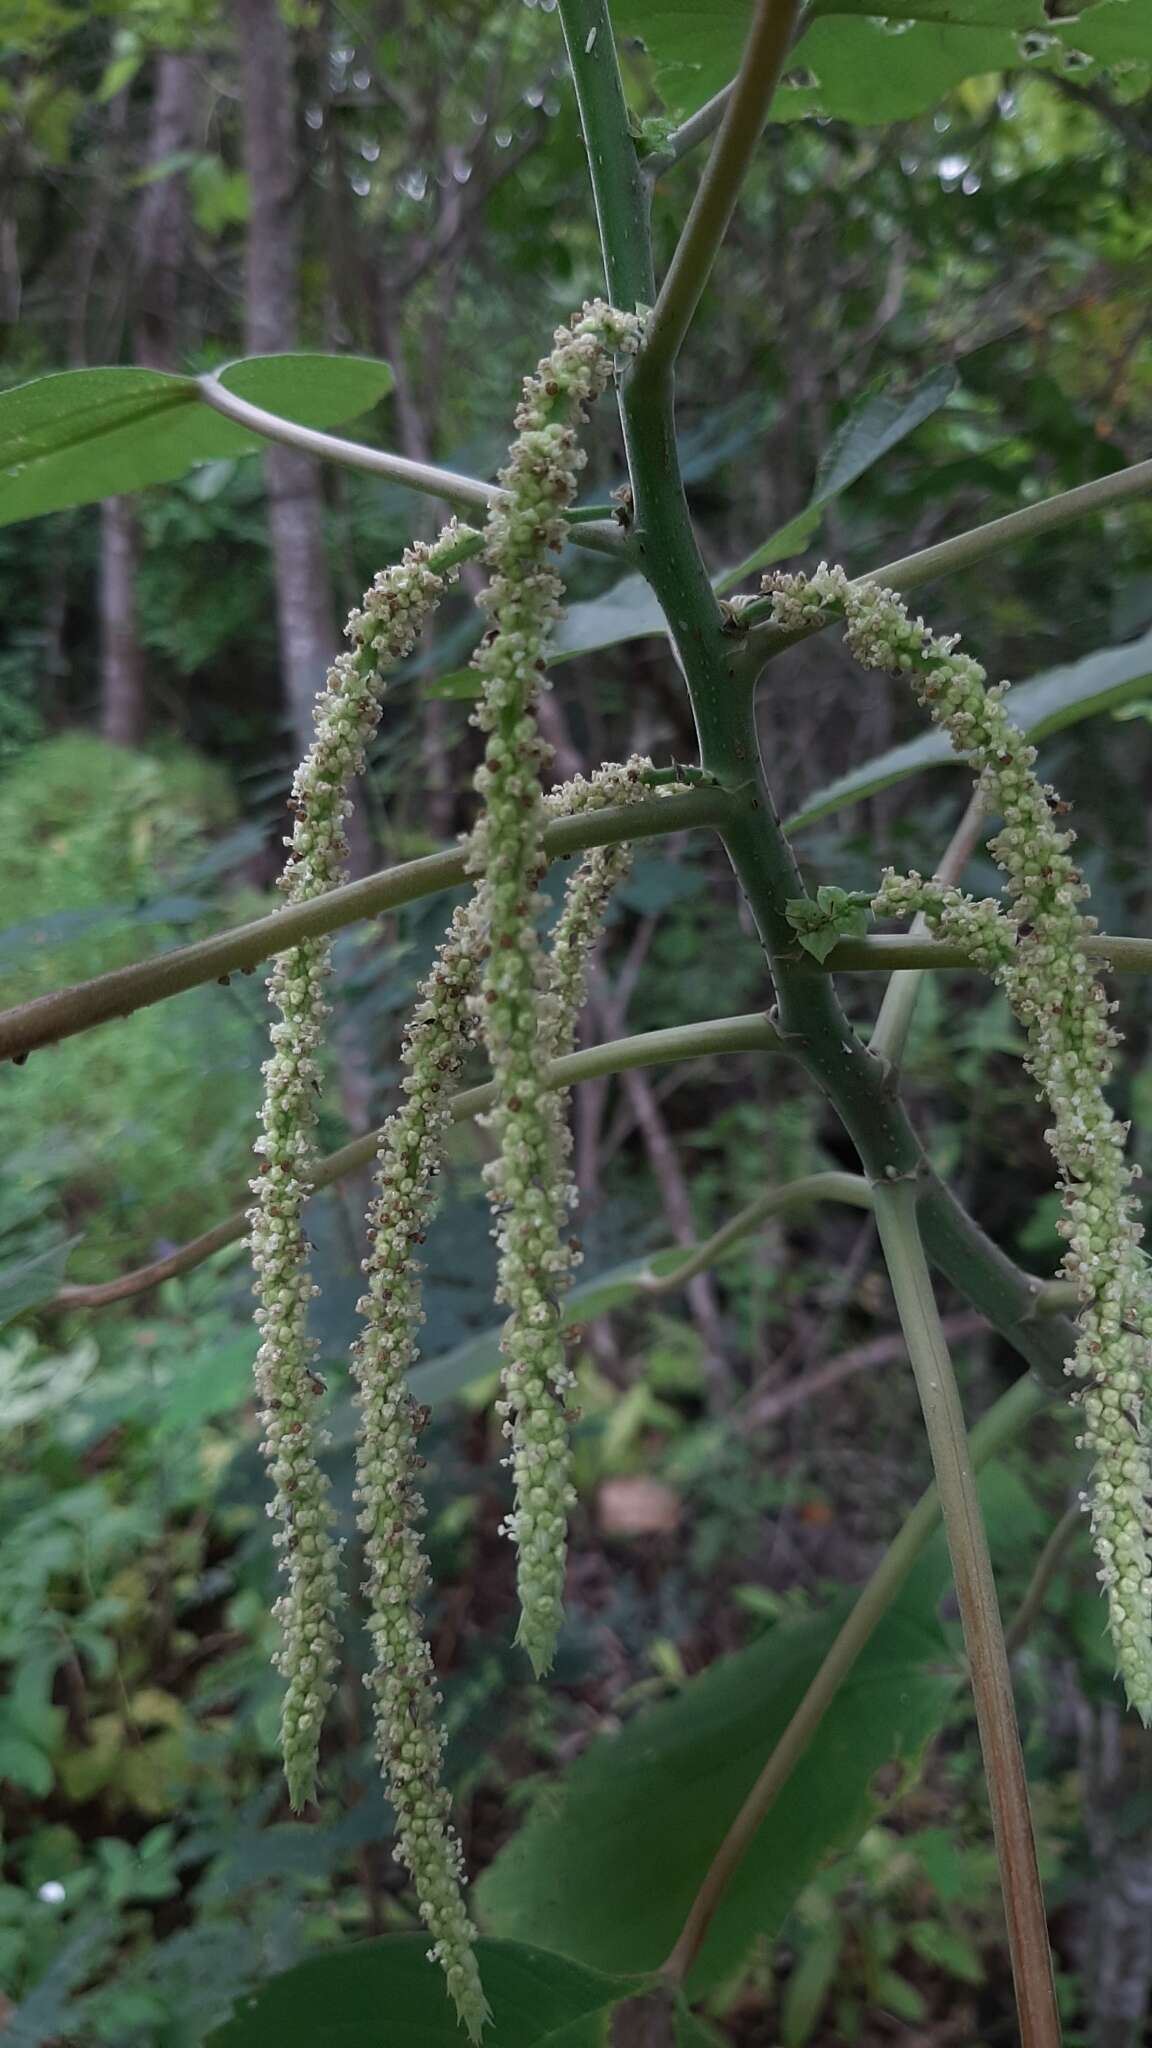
304 610
122 695
157 257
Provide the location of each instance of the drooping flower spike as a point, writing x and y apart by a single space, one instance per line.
401 1677
526 1182
382 632
1033 946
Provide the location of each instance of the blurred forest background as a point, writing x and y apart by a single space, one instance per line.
184 183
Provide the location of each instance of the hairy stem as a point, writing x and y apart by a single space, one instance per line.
896 1220
998 1427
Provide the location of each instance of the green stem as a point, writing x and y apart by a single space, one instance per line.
695 130
997 1428
964 550
47 1019
894 1018
618 188
751 1033
745 113
794 1194
1047 1565
882 954
811 1020
604 536
896 1220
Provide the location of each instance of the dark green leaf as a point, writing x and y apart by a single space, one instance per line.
82 435
459 683
1061 696
878 423
608 1865
386 1994
628 611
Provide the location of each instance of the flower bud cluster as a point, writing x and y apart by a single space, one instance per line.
382 632
1033 945
517 1012
402 1679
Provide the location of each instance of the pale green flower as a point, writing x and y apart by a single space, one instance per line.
529 1185
382 632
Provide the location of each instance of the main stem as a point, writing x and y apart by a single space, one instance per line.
896 1220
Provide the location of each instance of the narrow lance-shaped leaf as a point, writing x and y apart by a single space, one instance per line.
629 610
1061 696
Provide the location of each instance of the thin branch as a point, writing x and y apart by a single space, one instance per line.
894 1019
881 954
963 550
750 1033
998 1427
769 41
775 1402
794 1194
696 129
603 536
1047 1565
1028 1948
47 1019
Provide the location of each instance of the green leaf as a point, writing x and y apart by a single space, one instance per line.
460 683
809 1985
869 67
878 423
22 1763
1044 705
386 1994
947 1949
628 611
81 435
609 1862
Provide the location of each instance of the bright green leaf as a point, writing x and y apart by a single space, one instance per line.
81 435
459 683
1061 696
611 1860
387 1992
855 64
